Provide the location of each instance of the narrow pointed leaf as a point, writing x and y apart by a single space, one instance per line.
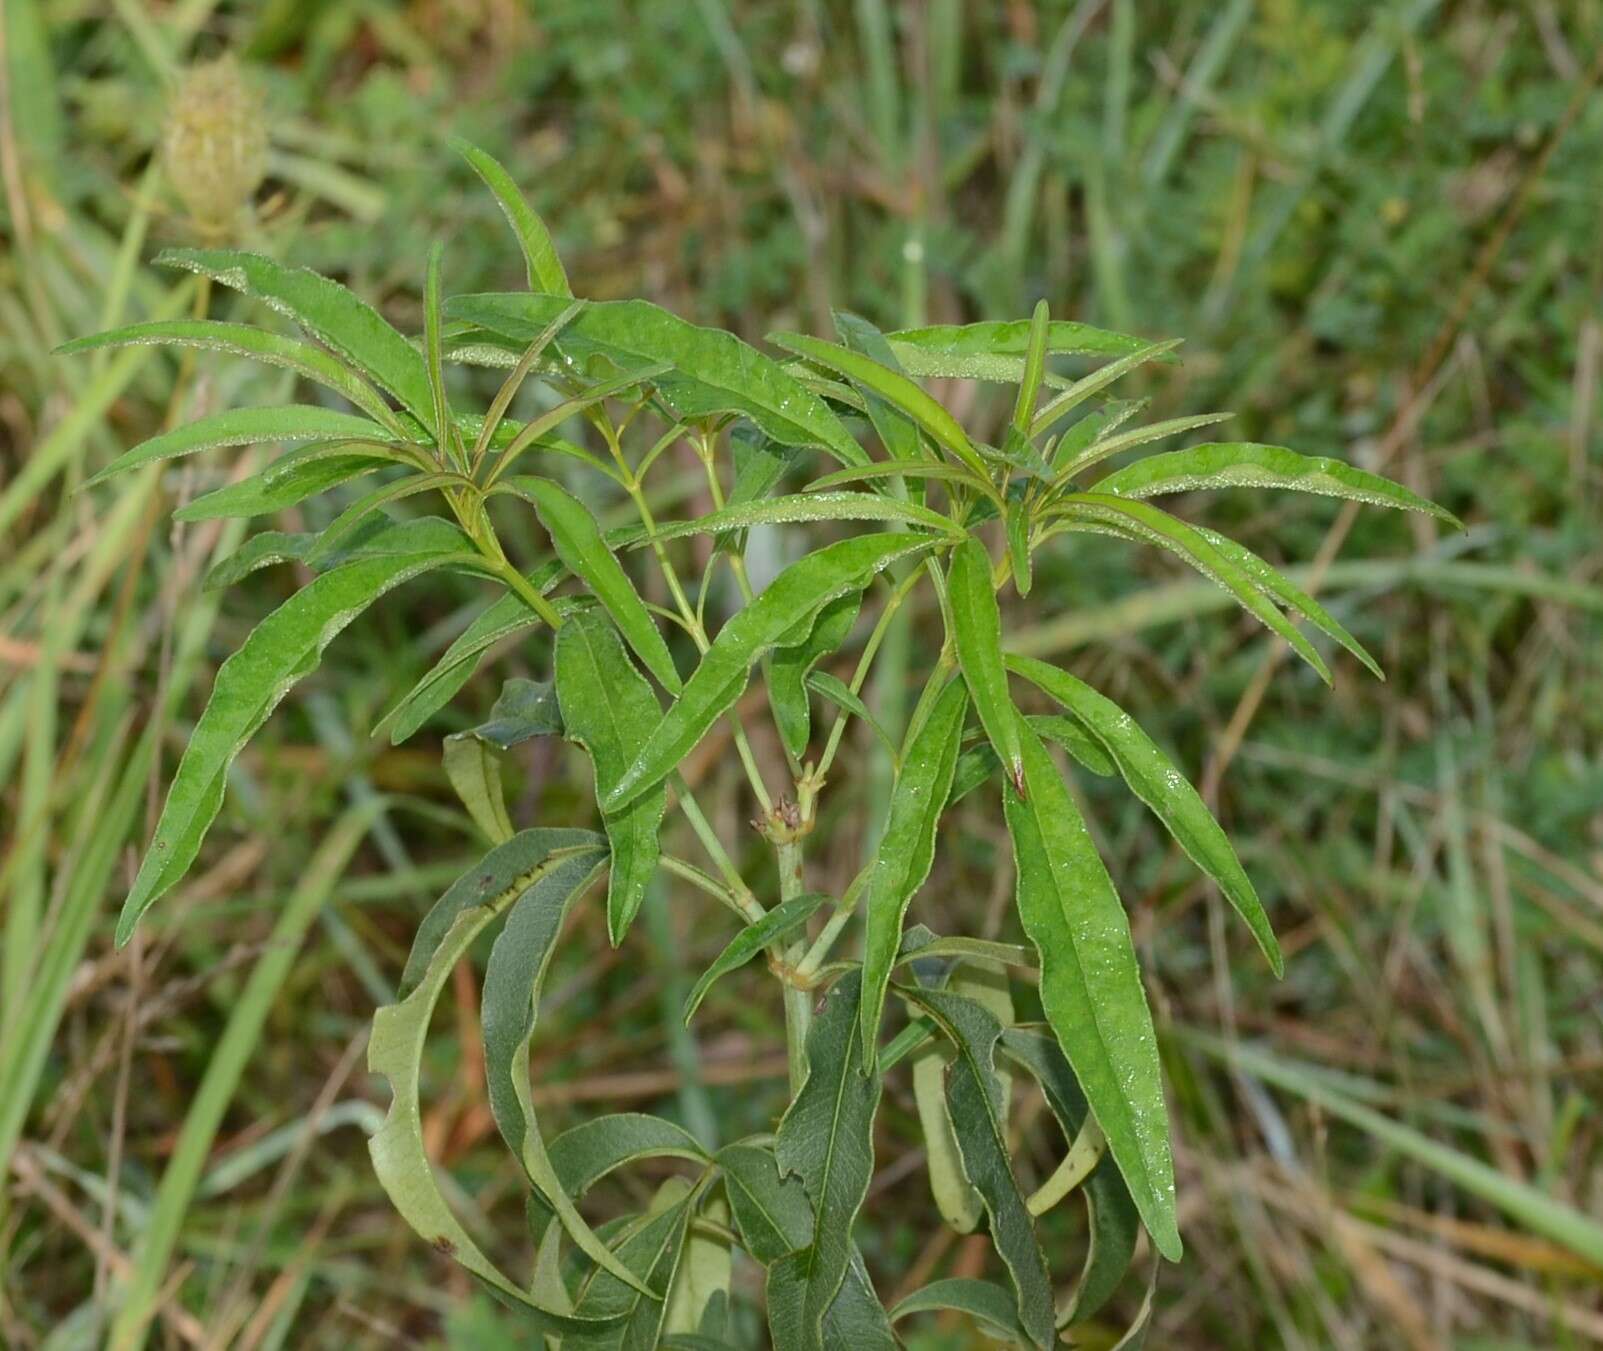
343 526
246 427
1018 546
523 710
1154 779
259 344
280 485
826 1138
975 1097
790 667
609 709
546 272
906 851
399 1159
713 371
1081 390
977 634
839 693
584 1154
792 599
701 1284
1137 436
1034 368
474 770
984 1301
280 650
511 1002
1245 464
1011 337
579 544
1091 985
1147 524
780 922
897 432
649 1247
1093 427
894 388
831 506
326 310
899 468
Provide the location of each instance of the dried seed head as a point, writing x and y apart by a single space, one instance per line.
214 147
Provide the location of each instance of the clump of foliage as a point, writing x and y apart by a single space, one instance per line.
931 497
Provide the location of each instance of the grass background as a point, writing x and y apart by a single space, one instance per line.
1379 228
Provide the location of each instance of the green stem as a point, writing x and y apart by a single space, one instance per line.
798 1001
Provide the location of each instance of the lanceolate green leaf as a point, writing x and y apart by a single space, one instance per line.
474 770
511 1003
984 1301
974 1095
546 272
1244 464
791 599
832 506
1154 779
1034 369
246 427
1147 524
906 851
894 388
714 372
1081 390
395 1051
790 666
977 634
826 1138
608 708
579 544
839 693
900 468
524 709
1011 337
1091 985
280 650
259 344
896 430
584 1154
327 311
1136 436
780 922
280 485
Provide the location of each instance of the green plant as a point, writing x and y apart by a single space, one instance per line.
644 382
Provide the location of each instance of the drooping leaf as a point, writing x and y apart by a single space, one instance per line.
280 650
780 922
246 427
281 485
508 868
1245 464
807 507
395 1050
984 1301
790 667
546 273
1091 984
609 709
1154 779
523 710
791 600
259 344
1114 1221
584 1154
977 635
826 1138
474 770
974 1095
714 372
329 312
895 388
511 1002
579 544
906 851
1146 524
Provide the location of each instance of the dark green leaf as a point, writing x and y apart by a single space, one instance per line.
807 507
977 635
609 709
288 481
1091 984
1154 779
790 667
975 1098
524 709
906 850
584 1154
1009 337
791 600
984 1301
651 1247
327 311
783 920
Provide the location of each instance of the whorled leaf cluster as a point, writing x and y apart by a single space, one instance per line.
639 686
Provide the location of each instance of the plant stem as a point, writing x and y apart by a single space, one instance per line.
798 1001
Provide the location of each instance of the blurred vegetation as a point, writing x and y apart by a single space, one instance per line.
1379 229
